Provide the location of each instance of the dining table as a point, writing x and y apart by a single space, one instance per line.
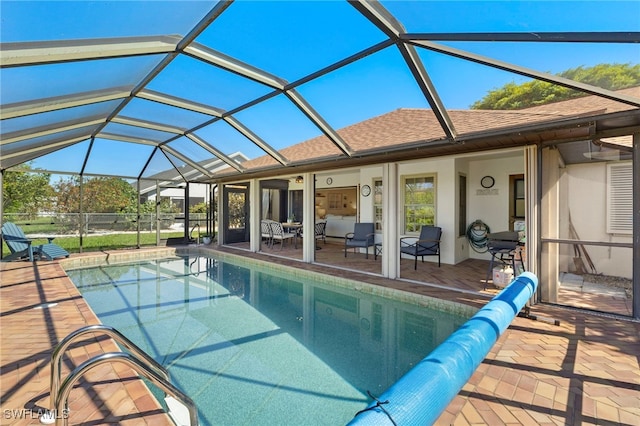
296 228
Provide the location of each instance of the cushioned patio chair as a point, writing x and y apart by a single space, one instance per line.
21 247
363 236
427 244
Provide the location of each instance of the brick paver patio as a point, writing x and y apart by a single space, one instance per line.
583 371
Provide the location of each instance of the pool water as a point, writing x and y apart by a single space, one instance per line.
254 346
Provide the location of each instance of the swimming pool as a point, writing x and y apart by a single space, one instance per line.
263 344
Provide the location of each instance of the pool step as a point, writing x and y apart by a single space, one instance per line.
178 412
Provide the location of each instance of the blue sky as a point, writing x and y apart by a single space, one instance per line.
294 38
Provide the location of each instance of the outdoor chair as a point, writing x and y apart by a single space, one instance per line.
321 231
427 244
363 236
267 234
21 247
279 234
503 249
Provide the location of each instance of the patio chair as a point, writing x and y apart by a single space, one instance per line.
503 247
279 234
321 231
21 247
267 234
427 244
363 236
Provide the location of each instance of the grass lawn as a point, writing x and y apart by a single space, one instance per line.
100 242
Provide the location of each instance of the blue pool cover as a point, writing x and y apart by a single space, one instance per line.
421 395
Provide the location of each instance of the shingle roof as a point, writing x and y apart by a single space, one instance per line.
410 126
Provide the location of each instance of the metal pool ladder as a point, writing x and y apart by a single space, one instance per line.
138 360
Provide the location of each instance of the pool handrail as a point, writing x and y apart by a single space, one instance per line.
137 365
425 391
61 347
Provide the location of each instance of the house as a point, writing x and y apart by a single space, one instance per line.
581 222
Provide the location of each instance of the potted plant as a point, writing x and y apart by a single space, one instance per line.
291 218
206 239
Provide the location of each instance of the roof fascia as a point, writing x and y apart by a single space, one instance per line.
528 72
564 130
56 51
21 109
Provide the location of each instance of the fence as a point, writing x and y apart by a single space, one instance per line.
100 223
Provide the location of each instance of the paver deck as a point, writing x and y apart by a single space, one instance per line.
584 371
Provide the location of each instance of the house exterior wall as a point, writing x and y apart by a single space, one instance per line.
446 213
367 214
462 248
586 210
340 222
491 205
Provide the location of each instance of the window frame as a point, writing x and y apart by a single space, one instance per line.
378 187
417 224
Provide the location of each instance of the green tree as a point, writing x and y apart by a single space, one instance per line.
199 208
26 191
236 210
100 195
516 96
166 206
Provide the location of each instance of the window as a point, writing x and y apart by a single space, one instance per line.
419 202
377 203
619 198
335 201
518 198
